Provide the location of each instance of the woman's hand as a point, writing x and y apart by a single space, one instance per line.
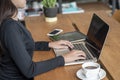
61 44
74 55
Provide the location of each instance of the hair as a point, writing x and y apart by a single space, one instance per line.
7 10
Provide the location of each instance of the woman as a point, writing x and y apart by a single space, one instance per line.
17 46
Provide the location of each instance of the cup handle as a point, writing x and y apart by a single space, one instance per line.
84 71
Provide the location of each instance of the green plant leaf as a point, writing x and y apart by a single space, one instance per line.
49 3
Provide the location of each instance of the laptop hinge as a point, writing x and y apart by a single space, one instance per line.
95 52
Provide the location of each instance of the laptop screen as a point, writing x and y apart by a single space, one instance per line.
97 32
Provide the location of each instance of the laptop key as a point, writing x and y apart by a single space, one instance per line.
82 47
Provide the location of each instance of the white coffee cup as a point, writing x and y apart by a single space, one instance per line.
91 70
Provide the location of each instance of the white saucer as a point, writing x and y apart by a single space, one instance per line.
80 75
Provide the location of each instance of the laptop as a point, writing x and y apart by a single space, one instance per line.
91 43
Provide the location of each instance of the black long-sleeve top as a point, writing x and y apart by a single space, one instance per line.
16 60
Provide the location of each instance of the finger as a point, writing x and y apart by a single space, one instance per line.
66 43
82 58
63 42
69 44
81 54
63 46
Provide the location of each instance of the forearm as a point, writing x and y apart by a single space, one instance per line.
42 46
48 65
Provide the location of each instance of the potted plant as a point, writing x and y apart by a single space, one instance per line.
50 10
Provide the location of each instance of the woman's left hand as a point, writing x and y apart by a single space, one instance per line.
61 44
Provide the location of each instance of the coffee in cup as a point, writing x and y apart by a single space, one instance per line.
91 67
91 70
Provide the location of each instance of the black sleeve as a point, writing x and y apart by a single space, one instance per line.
42 46
16 47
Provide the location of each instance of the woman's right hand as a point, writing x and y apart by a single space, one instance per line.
74 55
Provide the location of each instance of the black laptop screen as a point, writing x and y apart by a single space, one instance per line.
97 32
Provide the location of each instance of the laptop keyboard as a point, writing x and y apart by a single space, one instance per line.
82 47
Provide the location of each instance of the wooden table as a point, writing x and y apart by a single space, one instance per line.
110 56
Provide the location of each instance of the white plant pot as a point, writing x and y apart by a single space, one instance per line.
53 19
